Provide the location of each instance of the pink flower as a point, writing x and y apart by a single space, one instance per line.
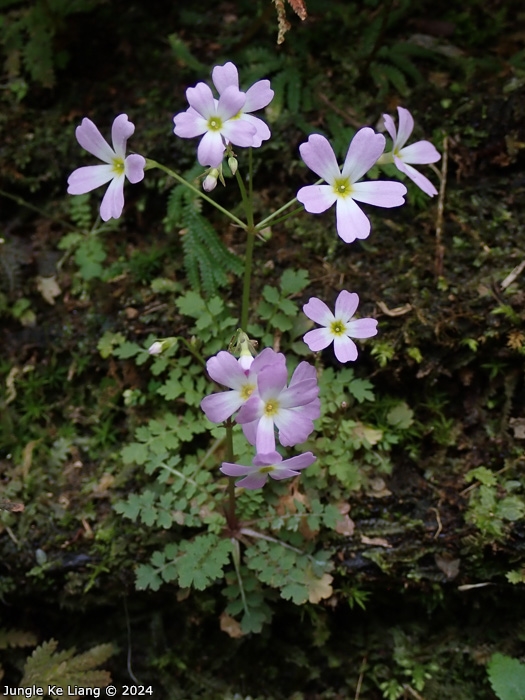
215 120
421 152
259 95
291 409
225 369
117 167
338 327
343 188
265 465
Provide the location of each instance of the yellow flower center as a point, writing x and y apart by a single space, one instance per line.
214 123
247 391
342 187
337 328
271 407
118 166
267 470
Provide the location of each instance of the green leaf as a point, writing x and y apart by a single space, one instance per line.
507 677
361 390
147 577
400 416
294 281
202 561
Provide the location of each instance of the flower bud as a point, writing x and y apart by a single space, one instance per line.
210 181
233 164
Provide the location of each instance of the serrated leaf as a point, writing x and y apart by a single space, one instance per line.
401 416
294 281
507 677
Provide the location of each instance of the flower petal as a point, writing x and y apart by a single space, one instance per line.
318 339
134 168
346 305
262 132
271 382
352 222
218 407
113 200
121 130
201 99
224 369
239 131
265 439
258 96
294 427
88 178
380 193
362 328
363 152
421 181
390 126
404 129
299 461
230 102
316 198
345 349
189 124
304 370
419 153
318 311
211 149
224 76
90 138
319 156
253 481
231 469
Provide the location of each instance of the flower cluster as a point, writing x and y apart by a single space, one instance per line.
265 403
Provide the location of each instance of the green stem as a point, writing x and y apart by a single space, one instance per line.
182 181
265 222
283 218
250 241
230 457
25 204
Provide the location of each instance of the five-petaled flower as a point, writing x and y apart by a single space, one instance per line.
339 327
117 167
343 188
225 369
420 153
217 121
258 96
292 409
265 465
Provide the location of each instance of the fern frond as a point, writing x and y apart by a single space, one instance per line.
46 665
16 638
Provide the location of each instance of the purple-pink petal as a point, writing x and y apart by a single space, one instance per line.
271 382
253 481
262 132
265 438
224 76
88 178
299 461
362 328
316 198
189 124
201 99
380 193
363 152
299 394
134 168
404 129
345 349
319 156
90 138
239 131
419 153
210 150
113 200
318 311
304 370
318 339
218 407
258 96
294 427
345 306
421 181
121 130
235 469
352 222
224 369
390 126
230 102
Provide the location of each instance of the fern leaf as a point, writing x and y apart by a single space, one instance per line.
16 638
